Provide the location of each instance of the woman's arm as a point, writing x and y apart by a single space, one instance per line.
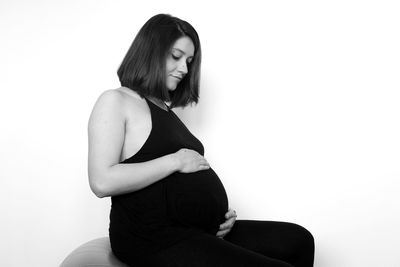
106 132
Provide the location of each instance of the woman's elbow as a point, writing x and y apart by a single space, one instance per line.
99 193
99 188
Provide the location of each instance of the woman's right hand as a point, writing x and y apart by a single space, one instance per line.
190 161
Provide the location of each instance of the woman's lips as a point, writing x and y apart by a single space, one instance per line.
177 77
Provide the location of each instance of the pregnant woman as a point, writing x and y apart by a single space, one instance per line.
169 208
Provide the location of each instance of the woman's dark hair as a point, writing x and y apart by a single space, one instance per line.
143 68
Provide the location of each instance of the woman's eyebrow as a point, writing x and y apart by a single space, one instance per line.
180 51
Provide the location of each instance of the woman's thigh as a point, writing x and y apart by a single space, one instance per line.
210 251
280 240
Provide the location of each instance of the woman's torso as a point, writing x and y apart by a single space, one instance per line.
175 207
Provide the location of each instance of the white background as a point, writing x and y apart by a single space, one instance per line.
299 115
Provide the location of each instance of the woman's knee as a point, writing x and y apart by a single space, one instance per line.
302 245
302 236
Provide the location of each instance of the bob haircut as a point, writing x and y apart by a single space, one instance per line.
144 66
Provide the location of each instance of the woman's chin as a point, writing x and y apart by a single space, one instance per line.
172 84
171 88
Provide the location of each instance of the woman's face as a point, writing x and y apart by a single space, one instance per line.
178 60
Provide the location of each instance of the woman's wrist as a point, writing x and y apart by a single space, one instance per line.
174 161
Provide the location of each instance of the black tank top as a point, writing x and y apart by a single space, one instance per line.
174 208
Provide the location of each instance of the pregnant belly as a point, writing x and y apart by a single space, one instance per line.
196 200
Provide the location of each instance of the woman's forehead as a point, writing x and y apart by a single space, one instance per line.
184 45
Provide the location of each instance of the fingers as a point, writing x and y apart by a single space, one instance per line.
222 233
226 227
231 213
228 224
191 161
204 167
203 163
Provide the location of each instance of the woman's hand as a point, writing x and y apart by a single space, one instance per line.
189 160
226 227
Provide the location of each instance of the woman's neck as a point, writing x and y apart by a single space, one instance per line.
161 104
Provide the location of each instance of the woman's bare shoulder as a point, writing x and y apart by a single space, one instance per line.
119 99
122 103
110 97
133 103
131 97
108 101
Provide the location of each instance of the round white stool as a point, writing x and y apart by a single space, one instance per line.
95 253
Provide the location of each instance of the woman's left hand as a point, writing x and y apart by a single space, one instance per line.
226 227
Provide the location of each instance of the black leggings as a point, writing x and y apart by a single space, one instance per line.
250 243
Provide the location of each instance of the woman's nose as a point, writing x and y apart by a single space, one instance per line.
183 68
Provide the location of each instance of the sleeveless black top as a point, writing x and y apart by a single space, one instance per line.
174 208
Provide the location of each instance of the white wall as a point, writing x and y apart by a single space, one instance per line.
299 115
